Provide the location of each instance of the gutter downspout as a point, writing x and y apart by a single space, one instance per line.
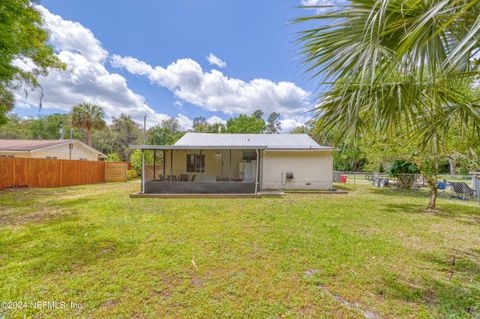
143 172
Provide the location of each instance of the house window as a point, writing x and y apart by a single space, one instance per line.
195 163
51 157
82 159
7 156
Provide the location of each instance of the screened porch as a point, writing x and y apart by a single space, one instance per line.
178 170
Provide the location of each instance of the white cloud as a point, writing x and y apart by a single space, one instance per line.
73 37
323 5
215 91
215 119
289 123
184 122
86 78
214 60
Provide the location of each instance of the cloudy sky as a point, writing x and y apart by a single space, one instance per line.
181 59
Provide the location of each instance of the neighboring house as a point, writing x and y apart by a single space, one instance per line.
237 163
52 149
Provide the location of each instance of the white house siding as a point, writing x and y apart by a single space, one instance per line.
63 152
311 170
15 154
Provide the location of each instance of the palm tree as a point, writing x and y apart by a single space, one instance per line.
88 116
396 66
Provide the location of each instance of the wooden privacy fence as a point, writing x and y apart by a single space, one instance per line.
116 172
39 172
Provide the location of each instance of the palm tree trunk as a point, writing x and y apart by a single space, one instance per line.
89 133
432 205
432 182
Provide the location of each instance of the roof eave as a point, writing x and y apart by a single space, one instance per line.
219 147
194 147
329 149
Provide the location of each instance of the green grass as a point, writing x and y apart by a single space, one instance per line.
301 256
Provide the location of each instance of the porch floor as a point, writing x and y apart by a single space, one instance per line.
231 195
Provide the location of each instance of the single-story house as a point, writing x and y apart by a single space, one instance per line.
51 149
236 163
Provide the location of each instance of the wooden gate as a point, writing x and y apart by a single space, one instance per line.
116 172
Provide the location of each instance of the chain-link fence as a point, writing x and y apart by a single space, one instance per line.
464 187
368 178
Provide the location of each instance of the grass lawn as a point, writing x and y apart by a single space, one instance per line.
370 253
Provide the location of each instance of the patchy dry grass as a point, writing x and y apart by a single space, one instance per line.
371 253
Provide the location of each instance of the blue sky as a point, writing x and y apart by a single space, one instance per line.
182 59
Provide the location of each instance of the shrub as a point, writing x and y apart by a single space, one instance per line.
404 171
113 157
131 174
136 159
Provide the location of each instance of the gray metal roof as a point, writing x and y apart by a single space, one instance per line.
261 141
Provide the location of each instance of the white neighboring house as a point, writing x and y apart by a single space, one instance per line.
50 149
237 163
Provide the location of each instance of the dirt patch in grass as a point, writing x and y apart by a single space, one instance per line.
10 218
369 314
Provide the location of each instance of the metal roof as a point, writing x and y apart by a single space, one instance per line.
19 145
242 141
28 145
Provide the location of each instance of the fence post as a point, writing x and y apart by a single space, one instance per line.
354 178
477 186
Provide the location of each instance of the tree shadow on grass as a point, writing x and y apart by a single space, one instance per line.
466 215
466 265
400 192
423 193
460 213
452 298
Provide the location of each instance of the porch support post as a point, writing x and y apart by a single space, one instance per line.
256 172
163 166
154 164
171 165
143 171
201 172
230 166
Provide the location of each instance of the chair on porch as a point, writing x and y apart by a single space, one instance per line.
171 178
193 178
183 178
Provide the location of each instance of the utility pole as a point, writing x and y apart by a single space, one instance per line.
145 129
